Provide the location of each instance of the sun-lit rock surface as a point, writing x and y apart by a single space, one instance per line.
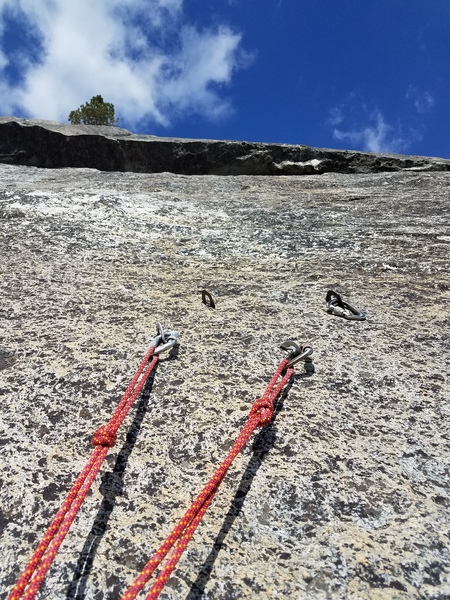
345 495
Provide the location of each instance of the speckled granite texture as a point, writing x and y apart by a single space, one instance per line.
345 495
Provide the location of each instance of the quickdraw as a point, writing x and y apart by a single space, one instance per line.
336 306
260 415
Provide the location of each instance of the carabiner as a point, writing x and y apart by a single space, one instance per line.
336 306
171 340
165 340
297 351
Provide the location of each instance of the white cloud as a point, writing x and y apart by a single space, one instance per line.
200 55
138 54
422 101
375 136
335 116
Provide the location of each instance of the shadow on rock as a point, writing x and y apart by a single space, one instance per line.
111 487
264 441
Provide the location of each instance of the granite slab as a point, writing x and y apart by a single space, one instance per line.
344 495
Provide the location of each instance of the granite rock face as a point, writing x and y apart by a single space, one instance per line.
55 145
344 495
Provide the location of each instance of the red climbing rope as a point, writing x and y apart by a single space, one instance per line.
260 415
103 439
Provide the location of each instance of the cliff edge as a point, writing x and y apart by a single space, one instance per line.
55 145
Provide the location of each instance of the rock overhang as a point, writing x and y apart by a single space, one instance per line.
56 145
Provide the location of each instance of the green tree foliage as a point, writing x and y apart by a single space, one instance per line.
95 112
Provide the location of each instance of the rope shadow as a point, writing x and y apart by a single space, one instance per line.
112 485
264 441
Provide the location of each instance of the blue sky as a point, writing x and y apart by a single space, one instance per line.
359 74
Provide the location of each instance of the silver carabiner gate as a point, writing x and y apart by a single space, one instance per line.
297 351
165 340
336 306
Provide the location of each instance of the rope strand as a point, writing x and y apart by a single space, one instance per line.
260 415
104 438
172 548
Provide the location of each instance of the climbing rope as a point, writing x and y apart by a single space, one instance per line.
104 438
260 415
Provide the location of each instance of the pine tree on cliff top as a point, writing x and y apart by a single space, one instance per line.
95 112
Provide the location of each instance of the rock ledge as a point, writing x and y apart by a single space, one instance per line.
56 145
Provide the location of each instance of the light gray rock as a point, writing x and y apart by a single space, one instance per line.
345 495
57 145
